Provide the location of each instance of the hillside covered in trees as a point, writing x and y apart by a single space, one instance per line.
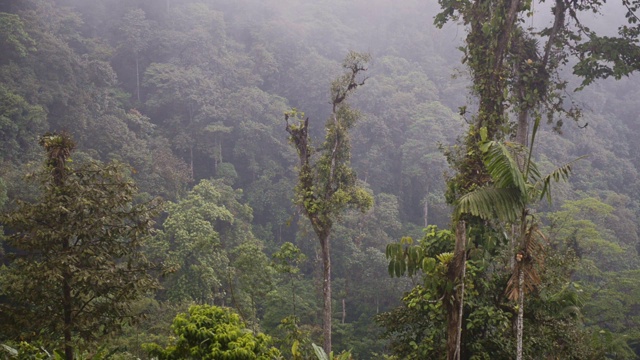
265 179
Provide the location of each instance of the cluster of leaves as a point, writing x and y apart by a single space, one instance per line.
210 332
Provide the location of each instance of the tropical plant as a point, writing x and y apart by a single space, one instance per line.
211 332
321 355
514 186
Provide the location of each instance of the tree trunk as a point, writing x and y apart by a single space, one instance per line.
58 159
137 77
344 310
512 248
426 210
67 306
522 131
461 307
455 274
326 292
293 297
191 161
190 131
520 313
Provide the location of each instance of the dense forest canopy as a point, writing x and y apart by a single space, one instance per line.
147 174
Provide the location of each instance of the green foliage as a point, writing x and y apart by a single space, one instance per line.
153 326
27 351
605 56
253 278
197 236
211 332
135 31
422 332
288 259
321 355
407 259
513 186
217 76
606 271
329 186
84 231
3 193
416 329
278 320
295 340
20 121
13 37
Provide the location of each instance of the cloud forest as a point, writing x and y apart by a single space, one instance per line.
330 179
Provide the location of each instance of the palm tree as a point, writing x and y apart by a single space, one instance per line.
515 185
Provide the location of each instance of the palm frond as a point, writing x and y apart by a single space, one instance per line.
503 168
560 173
534 173
530 276
492 202
530 164
529 259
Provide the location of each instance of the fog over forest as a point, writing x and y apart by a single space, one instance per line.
319 179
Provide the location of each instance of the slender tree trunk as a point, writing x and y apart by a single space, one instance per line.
191 160
522 137
137 76
67 308
190 110
254 315
522 132
293 297
461 308
520 326
426 210
67 303
326 292
344 310
220 150
455 274
58 158
512 248
233 298
344 300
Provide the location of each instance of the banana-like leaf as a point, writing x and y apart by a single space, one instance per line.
320 353
490 202
507 197
503 168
